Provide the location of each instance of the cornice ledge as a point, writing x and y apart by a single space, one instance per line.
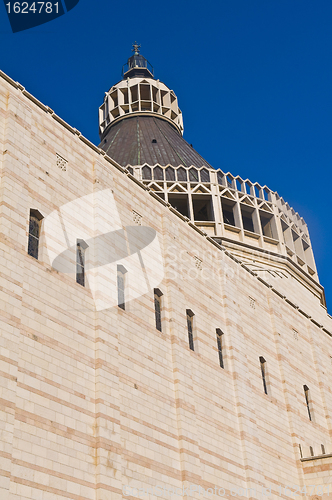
264 282
316 323
292 303
304 313
278 293
154 195
317 457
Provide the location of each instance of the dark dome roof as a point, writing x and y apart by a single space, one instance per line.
136 140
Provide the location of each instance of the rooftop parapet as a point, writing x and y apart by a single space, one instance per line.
233 209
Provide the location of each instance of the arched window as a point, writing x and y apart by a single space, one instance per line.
146 173
263 371
229 181
190 321
34 232
205 175
158 174
182 174
170 174
193 175
220 346
307 400
220 177
157 308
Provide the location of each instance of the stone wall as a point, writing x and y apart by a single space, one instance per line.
97 403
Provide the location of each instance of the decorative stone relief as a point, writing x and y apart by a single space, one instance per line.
137 218
252 303
198 263
61 162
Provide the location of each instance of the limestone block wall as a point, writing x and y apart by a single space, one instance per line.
98 403
317 474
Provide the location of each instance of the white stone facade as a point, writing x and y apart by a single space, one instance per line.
98 404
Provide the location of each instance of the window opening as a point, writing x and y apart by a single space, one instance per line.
145 92
248 224
180 203
267 223
154 93
157 308
202 205
307 400
248 188
34 232
121 271
134 93
220 177
263 370
238 185
228 212
205 175
170 174
220 346
229 182
193 175
146 173
114 97
190 316
81 246
158 174
182 174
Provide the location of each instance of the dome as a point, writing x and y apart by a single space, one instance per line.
149 138
140 120
141 127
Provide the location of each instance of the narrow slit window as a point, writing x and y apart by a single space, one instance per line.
157 308
121 271
81 246
311 451
34 232
307 400
323 449
190 320
220 346
263 371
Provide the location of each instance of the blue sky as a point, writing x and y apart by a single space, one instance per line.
253 79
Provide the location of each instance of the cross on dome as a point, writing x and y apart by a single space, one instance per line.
136 48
